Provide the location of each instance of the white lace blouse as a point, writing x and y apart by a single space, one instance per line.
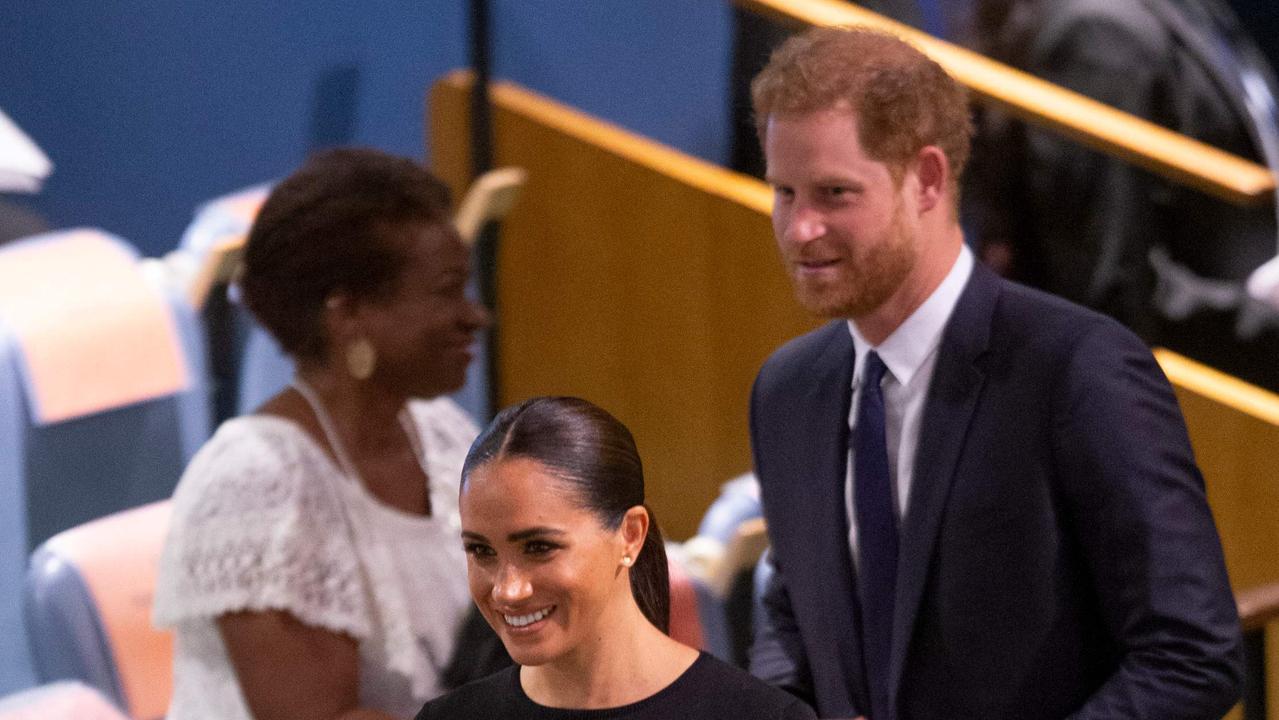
263 519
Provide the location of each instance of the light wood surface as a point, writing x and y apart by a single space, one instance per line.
1100 126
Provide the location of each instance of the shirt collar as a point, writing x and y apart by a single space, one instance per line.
905 351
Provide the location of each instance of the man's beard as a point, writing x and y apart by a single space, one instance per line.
869 280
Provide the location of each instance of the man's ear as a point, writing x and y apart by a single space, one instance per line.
932 170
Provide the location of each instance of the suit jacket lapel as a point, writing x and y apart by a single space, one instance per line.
952 396
825 426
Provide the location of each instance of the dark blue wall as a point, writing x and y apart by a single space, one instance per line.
658 67
149 108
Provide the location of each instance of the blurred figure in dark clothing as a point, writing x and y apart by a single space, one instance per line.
1167 260
1262 21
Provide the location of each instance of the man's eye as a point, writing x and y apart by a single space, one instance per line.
783 193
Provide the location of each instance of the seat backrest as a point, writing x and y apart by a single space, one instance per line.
88 598
686 623
738 501
201 269
58 701
15 665
264 368
64 461
104 381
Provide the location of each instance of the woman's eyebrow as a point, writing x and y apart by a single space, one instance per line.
532 533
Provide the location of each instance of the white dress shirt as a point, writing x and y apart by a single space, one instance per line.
910 355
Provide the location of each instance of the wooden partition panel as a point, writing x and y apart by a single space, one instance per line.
1234 427
1095 124
635 276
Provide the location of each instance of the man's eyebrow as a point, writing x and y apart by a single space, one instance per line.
837 181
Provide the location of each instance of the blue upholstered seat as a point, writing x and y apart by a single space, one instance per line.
58 701
264 368
61 473
88 605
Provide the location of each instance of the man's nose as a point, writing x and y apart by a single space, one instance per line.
511 584
805 224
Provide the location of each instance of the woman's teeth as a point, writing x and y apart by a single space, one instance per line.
522 620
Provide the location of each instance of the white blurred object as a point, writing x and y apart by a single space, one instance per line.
1263 284
489 199
23 165
1261 307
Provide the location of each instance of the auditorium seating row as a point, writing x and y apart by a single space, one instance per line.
105 390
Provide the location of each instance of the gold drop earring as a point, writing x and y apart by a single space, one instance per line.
361 358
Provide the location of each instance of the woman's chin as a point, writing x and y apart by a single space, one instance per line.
531 651
527 656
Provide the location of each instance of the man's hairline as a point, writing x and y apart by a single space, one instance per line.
896 169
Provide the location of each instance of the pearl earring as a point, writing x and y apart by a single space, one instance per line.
626 560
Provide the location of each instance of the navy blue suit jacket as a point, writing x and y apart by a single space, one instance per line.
1058 558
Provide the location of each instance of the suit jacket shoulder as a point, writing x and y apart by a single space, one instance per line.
791 362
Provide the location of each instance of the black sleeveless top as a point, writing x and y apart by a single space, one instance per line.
709 690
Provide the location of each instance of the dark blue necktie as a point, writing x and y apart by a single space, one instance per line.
876 533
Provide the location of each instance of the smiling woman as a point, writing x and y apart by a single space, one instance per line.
309 572
566 563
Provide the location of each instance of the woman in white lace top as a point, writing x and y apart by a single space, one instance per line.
313 569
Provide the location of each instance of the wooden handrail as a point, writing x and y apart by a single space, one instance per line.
1042 103
1222 389
571 122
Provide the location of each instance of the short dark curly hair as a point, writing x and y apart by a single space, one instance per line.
903 100
337 224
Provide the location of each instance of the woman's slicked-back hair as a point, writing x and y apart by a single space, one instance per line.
338 224
593 454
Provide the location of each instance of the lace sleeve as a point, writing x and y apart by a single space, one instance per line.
447 432
257 525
